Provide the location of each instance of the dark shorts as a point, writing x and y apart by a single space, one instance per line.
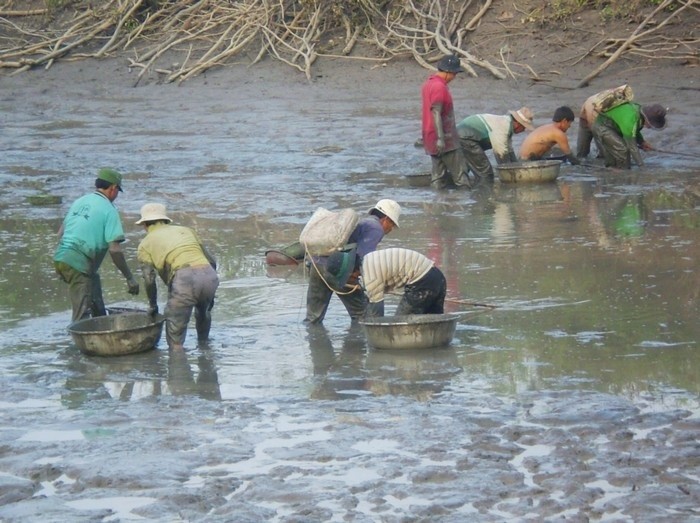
426 296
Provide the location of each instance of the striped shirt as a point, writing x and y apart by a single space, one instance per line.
388 269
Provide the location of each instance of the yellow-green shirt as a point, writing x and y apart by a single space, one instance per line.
171 247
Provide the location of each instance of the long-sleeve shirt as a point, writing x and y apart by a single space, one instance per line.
388 269
435 92
367 234
492 131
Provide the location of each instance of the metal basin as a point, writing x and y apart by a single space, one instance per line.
529 172
117 334
416 331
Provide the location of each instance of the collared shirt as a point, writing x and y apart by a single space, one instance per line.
388 269
434 92
169 247
91 224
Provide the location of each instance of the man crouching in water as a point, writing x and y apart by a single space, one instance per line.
539 142
185 266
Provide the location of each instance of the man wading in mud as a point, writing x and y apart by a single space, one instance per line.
185 265
439 129
91 228
618 132
381 220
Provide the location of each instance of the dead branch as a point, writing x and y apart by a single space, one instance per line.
28 12
203 34
635 36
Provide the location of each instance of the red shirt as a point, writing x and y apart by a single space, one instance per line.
434 92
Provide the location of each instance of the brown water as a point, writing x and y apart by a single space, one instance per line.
575 398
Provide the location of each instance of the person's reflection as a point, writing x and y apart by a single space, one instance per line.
340 375
181 378
355 370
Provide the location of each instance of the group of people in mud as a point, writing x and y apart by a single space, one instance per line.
458 149
92 227
359 274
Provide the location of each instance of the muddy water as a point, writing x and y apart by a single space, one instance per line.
575 397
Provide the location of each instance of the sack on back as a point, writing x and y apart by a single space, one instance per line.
606 100
328 231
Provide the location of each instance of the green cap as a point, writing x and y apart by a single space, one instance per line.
111 176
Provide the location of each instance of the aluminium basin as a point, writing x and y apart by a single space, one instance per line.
415 331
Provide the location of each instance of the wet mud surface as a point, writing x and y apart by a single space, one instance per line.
574 398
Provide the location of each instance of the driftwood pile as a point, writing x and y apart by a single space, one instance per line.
179 39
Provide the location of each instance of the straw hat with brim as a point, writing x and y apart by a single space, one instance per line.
339 267
153 212
110 176
655 115
524 116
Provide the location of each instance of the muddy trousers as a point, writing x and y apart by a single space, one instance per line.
426 296
85 291
318 297
584 140
617 150
191 288
450 168
476 158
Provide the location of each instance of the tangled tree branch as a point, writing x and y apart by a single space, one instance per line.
179 39
639 33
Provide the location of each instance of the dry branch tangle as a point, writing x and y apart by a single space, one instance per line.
179 39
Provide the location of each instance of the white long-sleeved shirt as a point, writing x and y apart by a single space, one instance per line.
389 269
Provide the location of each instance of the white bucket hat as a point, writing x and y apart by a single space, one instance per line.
153 212
524 116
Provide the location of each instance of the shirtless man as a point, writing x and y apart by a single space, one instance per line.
541 140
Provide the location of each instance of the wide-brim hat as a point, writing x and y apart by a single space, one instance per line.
153 212
339 267
524 117
655 115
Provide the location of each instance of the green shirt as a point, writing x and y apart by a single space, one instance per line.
171 247
90 225
627 117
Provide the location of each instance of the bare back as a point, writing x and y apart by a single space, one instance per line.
541 140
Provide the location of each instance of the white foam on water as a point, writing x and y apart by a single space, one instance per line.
121 506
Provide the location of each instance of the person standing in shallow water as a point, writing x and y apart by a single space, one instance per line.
92 227
439 130
370 230
185 266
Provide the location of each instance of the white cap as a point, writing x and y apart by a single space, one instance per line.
390 209
152 212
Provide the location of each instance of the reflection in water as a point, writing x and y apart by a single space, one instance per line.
140 376
355 370
181 379
586 369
